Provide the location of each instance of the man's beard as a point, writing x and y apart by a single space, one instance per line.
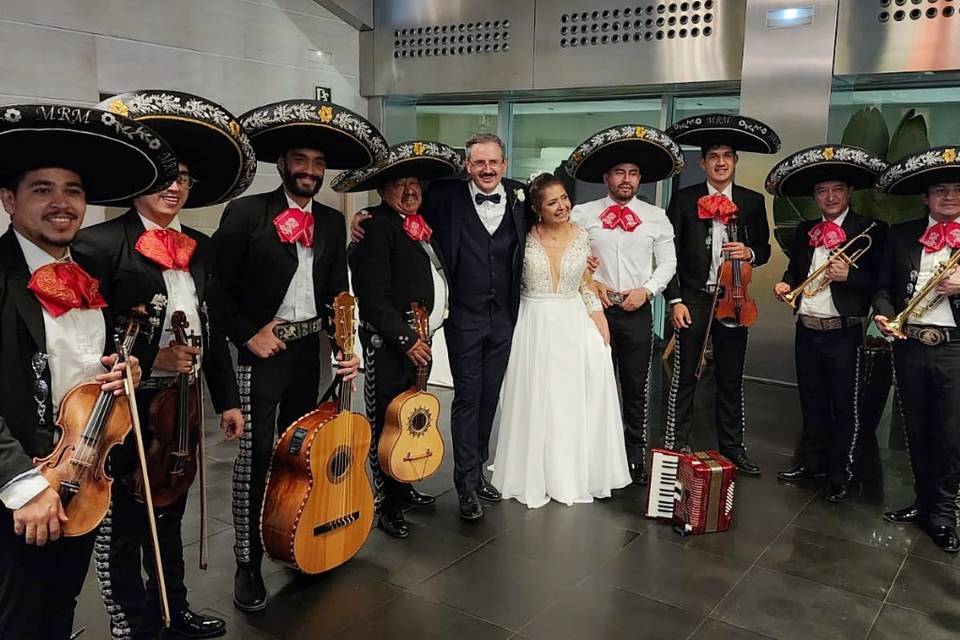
290 182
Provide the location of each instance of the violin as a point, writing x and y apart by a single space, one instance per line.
175 421
91 422
732 305
735 307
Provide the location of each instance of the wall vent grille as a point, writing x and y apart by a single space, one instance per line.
643 23
894 11
454 39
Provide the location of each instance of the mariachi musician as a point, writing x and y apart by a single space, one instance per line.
396 264
703 217
280 258
830 286
633 241
148 257
54 332
918 301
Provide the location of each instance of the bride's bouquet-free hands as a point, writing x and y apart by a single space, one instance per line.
600 320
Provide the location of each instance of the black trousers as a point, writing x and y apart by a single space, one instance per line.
479 349
39 586
729 352
386 375
124 546
274 392
828 373
631 335
928 388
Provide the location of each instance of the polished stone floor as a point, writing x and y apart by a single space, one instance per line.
792 567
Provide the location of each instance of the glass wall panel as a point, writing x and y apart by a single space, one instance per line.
939 107
694 106
453 124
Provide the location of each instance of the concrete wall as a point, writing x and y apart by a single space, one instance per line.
240 53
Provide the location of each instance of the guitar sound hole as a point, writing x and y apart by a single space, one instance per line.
339 464
419 421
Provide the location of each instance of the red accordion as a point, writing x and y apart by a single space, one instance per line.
704 493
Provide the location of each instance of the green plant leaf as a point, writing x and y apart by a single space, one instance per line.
909 137
787 214
867 129
890 209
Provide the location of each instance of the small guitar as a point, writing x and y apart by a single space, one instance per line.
318 503
411 447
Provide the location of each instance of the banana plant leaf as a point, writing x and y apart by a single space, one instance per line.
868 129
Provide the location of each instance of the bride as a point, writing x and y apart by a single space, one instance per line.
561 433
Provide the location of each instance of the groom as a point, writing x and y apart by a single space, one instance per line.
480 227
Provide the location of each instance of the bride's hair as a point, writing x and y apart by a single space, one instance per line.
536 187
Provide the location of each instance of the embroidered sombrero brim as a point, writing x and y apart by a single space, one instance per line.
799 173
422 159
347 140
116 158
918 171
739 132
204 136
657 155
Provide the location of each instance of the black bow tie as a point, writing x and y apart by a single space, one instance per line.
480 198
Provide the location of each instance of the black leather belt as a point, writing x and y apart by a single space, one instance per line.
931 336
290 331
828 324
156 383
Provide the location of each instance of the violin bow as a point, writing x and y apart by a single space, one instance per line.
702 362
201 463
147 494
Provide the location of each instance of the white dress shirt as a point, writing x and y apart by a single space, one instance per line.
490 213
645 257
821 305
299 303
75 342
181 296
718 233
941 315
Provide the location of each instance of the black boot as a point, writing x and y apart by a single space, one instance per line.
487 492
905 515
189 624
638 473
470 508
393 523
249 593
413 497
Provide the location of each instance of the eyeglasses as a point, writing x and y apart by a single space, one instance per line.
483 164
186 180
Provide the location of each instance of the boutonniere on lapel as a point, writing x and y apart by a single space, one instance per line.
520 195
159 303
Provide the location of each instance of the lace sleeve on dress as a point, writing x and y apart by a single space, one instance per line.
590 298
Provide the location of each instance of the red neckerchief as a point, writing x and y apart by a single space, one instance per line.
169 248
62 286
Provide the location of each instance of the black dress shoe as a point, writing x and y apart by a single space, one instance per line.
487 492
470 508
189 624
799 472
836 492
249 594
638 473
745 465
417 499
394 524
945 537
902 516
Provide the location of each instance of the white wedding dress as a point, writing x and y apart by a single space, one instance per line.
561 432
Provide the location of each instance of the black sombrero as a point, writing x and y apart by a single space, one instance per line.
423 159
798 173
117 158
739 132
348 140
203 135
657 155
915 173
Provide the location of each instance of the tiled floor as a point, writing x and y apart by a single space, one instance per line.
793 566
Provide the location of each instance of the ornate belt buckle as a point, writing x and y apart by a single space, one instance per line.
615 297
930 337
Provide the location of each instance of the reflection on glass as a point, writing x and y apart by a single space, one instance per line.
939 106
453 124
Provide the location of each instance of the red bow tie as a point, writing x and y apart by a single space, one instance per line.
295 225
619 216
62 286
417 228
168 248
939 235
828 235
716 207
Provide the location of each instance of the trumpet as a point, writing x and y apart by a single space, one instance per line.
940 273
817 276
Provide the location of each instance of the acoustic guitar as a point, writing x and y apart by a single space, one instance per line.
411 447
318 503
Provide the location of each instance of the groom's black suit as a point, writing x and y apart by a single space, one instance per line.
484 298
